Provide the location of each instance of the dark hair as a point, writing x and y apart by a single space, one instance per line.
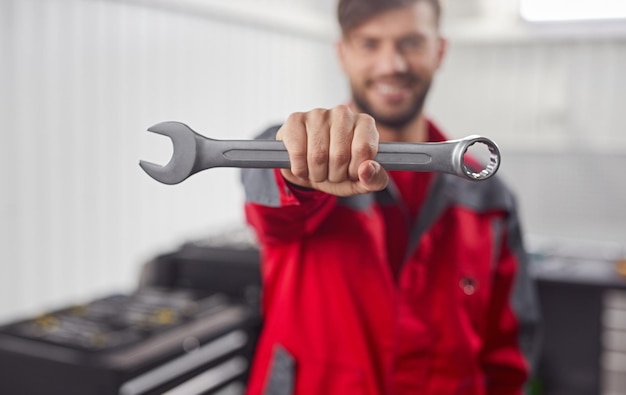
352 13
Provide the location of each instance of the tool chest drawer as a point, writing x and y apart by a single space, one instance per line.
613 345
149 342
582 297
190 327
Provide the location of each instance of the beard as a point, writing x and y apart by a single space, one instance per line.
392 121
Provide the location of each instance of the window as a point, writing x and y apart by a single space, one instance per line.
572 10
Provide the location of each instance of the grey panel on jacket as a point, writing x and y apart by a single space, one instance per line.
485 195
281 379
524 298
260 184
493 194
357 202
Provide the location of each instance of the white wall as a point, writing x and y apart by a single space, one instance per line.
81 80
556 108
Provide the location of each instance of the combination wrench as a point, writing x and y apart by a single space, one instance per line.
193 152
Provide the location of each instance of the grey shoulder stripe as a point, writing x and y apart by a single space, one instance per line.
524 299
449 190
259 184
388 196
281 375
493 194
435 204
497 226
357 202
480 196
260 187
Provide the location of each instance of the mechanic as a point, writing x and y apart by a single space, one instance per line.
385 282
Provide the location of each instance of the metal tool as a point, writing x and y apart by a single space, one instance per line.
194 152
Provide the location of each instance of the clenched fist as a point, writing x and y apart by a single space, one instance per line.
332 150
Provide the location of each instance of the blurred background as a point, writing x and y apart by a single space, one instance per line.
81 81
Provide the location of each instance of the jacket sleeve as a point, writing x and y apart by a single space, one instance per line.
511 345
277 210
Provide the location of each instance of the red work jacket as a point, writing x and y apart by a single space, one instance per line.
455 314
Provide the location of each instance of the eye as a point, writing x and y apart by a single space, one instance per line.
368 44
412 43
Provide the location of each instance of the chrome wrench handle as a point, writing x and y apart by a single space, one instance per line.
194 152
443 157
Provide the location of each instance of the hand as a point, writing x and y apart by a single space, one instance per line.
333 151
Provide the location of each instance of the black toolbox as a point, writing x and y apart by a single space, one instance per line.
189 328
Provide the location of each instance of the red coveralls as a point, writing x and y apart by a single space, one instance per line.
419 289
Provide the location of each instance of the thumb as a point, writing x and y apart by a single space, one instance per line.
372 176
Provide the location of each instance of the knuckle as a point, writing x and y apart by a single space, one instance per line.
300 172
343 119
342 111
318 157
295 118
316 123
298 155
317 114
366 119
298 162
319 110
341 158
365 149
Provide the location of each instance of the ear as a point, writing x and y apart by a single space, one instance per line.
441 51
340 47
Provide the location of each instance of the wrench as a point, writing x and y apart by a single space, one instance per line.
194 152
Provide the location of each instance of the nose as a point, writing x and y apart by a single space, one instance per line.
391 61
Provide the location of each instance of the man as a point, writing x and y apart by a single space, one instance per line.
381 282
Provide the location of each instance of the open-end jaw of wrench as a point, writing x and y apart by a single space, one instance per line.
194 152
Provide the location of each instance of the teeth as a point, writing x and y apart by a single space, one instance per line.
389 89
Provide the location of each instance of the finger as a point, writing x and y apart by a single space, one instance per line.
341 132
372 177
294 136
364 143
318 142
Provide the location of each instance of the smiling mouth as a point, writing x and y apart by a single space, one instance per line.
392 87
389 89
391 93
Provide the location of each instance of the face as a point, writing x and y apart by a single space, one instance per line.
390 61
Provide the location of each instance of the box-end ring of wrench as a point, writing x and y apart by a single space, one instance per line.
193 152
